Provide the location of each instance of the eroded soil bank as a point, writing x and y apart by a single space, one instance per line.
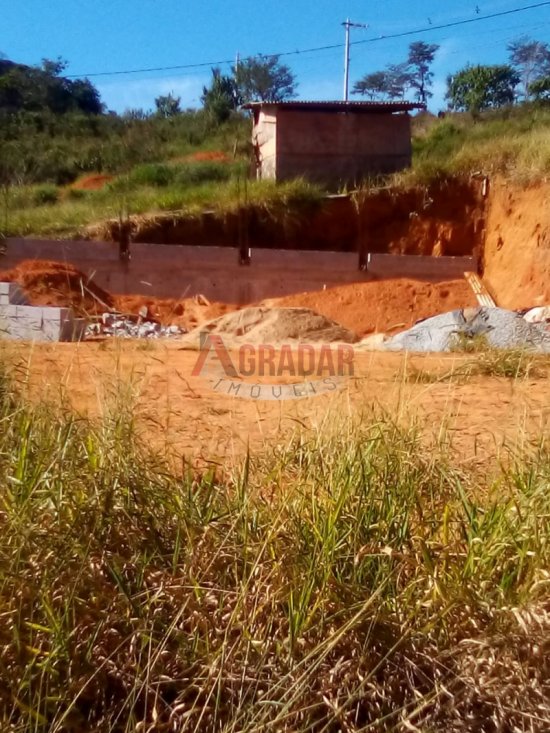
516 261
445 218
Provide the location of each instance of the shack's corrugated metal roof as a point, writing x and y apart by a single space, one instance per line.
340 106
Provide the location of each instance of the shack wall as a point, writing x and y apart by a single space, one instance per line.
328 146
341 146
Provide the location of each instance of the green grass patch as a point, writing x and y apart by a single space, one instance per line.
514 143
76 210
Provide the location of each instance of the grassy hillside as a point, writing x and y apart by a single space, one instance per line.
154 164
512 142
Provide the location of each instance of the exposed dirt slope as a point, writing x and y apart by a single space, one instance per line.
517 247
382 305
93 182
376 305
446 218
59 284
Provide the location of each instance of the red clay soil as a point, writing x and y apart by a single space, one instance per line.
517 247
59 284
62 285
187 312
443 219
376 305
217 156
92 183
383 305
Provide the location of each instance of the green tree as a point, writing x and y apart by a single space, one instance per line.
86 97
540 89
264 80
531 60
168 105
398 80
391 83
374 86
42 89
221 97
53 67
419 61
476 88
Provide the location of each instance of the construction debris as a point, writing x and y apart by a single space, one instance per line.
123 326
496 327
538 315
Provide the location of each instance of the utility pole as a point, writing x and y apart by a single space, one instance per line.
347 25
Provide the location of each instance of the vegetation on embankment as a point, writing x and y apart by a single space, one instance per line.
350 582
162 165
70 212
513 142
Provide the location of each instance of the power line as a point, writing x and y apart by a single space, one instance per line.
453 24
317 49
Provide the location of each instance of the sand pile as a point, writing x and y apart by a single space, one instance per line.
381 305
59 284
262 325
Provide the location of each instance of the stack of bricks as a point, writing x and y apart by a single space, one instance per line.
26 322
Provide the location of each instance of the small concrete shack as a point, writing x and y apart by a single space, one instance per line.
331 142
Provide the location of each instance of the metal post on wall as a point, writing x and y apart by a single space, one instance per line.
243 236
124 236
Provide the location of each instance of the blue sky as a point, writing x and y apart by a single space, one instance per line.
111 35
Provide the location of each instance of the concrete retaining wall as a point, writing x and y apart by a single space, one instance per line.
174 271
35 324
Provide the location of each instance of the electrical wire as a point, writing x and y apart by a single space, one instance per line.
317 49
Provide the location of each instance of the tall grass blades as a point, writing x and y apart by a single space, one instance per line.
343 583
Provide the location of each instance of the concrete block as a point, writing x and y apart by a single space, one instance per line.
40 324
28 311
9 311
11 293
51 331
4 323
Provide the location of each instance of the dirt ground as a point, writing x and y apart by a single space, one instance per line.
517 247
183 415
382 305
363 307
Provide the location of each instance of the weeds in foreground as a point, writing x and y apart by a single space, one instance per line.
488 362
343 583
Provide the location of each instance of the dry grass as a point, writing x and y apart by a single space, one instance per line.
513 143
348 583
514 364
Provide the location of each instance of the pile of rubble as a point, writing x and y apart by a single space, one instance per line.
135 327
499 328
